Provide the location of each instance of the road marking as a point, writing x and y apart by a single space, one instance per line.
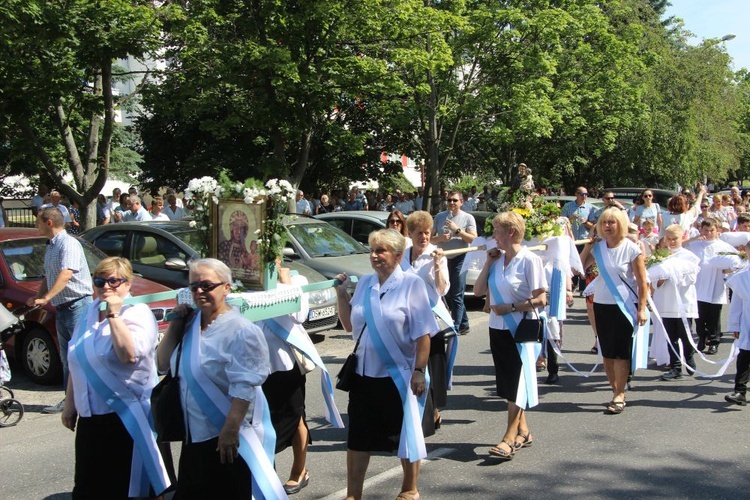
390 473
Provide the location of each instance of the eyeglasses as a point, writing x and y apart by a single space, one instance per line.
582 194
609 198
453 200
112 282
648 195
704 206
394 221
206 286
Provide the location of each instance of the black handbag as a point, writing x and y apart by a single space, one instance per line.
529 330
166 406
345 377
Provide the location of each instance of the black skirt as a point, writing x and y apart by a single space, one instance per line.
202 475
614 330
285 393
438 371
507 363
375 415
103 450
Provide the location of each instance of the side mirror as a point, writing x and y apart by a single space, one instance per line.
289 252
175 264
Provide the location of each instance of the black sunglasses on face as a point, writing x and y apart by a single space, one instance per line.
206 286
112 282
582 194
394 221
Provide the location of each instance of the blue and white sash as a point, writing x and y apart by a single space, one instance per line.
625 301
293 334
257 439
528 390
146 467
411 444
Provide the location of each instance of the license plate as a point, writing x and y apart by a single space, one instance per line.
325 312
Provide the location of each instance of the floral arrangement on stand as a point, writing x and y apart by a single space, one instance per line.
540 215
276 194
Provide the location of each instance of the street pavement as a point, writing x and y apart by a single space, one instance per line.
674 440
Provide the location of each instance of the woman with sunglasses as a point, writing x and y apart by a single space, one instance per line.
648 210
223 362
397 221
112 372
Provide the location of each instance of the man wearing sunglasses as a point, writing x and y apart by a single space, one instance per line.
609 201
67 284
453 229
579 211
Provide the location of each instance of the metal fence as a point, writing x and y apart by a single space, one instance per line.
19 217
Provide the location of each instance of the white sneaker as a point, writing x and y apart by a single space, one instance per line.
58 408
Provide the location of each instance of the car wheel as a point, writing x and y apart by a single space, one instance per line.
40 358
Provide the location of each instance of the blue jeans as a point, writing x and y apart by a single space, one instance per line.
65 322
455 295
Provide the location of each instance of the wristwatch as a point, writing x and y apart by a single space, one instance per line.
113 315
512 307
458 231
420 370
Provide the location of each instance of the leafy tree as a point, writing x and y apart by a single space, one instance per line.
56 96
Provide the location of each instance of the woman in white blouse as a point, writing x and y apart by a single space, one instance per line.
427 261
622 271
233 360
514 280
112 372
390 313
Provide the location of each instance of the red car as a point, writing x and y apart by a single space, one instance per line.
21 274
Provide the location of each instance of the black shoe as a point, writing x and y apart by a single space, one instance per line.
690 368
552 378
712 349
464 330
736 398
673 374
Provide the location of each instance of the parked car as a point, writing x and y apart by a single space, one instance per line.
325 248
357 223
661 196
161 250
21 274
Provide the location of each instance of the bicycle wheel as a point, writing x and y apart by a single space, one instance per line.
11 412
6 392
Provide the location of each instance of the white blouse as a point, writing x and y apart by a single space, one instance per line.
710 281
672 298
406 310
234 356
424 268
281 356
140 377
622 257
739 318
524 274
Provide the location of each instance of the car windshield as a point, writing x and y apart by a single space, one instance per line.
24 258
324 240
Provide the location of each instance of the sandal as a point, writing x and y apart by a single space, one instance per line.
528 440
497 452
616 407
292 487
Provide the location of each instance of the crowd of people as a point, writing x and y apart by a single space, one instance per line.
636 265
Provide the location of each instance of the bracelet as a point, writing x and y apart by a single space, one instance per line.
420 370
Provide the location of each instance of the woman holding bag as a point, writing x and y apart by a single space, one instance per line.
390 313
223 363
112 371
513 279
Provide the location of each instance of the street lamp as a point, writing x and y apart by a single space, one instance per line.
726 38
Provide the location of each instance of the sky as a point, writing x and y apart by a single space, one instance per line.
714 19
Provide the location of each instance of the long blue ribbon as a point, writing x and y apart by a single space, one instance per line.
526 396
557 294
132 414
264 484
287 335
411 428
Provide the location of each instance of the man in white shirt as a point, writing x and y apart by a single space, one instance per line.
39 199
157 209
114 203
303 206
54 198
173 210
136 213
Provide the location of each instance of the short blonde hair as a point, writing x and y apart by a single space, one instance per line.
388 237
511 220
617 215
114 265
418 220
675 230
